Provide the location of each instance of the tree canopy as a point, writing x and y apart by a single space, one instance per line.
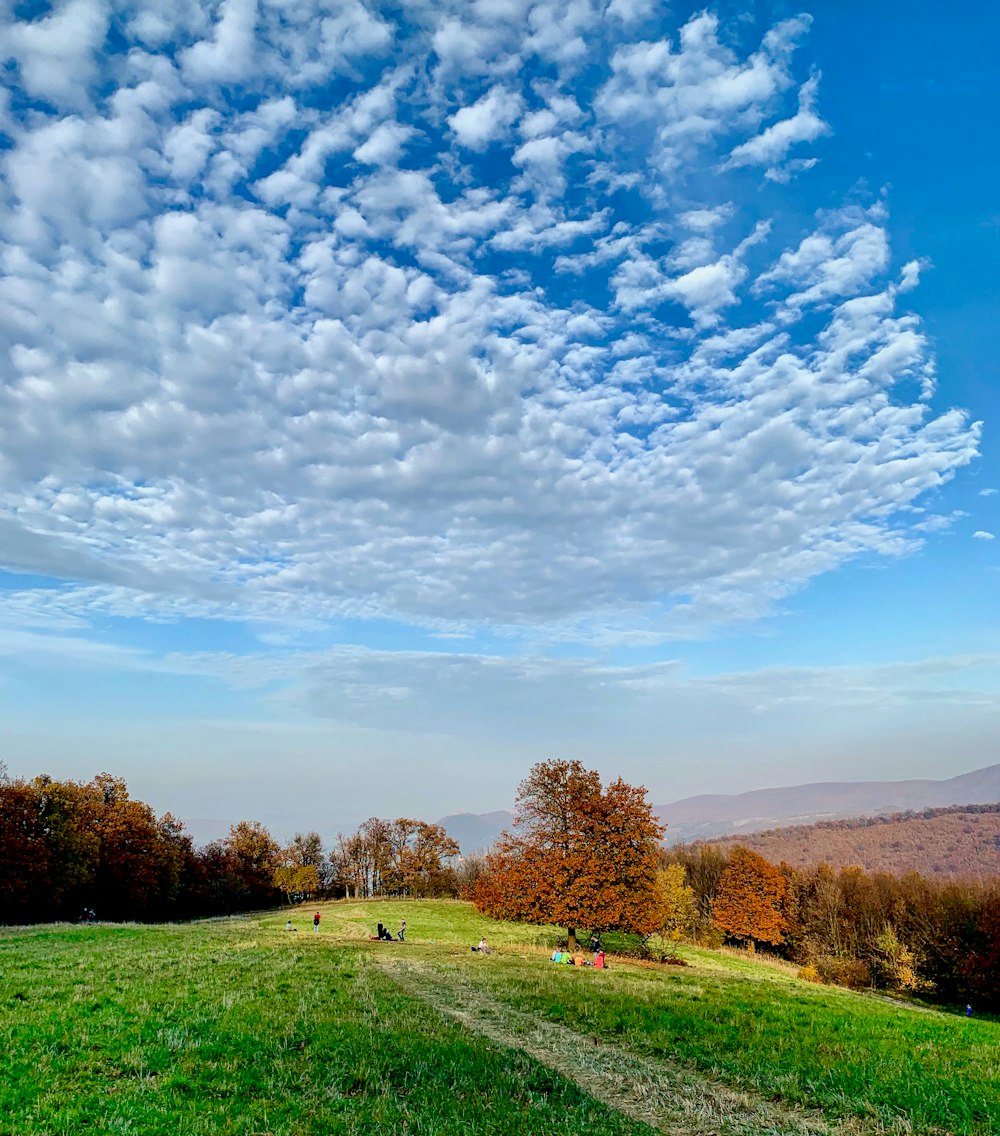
578 854
749 904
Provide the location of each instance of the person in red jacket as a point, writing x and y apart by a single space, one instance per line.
316 921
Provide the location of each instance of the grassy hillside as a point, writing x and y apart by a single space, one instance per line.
236 1026
946 843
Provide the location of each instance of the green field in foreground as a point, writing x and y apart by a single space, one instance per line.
236 1026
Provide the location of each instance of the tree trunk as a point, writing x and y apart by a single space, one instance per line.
571 942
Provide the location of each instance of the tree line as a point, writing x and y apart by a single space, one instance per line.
73 850
938 938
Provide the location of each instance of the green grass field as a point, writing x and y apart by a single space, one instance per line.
237 1026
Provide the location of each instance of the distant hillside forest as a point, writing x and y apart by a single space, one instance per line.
958 842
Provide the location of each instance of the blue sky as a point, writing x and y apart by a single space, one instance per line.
395 395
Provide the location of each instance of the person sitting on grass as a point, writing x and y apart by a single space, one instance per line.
557 955
599 960
482 948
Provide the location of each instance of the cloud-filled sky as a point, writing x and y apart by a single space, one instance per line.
394 395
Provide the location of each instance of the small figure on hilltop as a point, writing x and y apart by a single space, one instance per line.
402 931
968 1011
316 921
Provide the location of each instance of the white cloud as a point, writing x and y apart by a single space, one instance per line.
980 534
293 355
488 119
56 55
773 143
384 145
829 264
705 220
697 91
229 55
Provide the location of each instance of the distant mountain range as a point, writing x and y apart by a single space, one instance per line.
714 815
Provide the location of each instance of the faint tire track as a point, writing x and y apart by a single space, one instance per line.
670 1098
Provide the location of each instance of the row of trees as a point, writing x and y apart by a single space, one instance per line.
402 857
72 850
857 928
66 848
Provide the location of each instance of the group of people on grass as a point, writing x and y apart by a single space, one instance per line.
316 919
384 935
577 958
559 955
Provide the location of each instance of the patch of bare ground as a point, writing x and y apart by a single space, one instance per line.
670 1098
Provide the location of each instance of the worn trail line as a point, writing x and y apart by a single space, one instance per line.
669 1098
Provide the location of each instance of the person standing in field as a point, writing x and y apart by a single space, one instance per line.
316 921
402 930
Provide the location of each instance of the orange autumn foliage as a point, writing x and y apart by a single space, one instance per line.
750 901
578 855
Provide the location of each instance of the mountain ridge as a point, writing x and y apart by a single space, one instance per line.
708 816
951 842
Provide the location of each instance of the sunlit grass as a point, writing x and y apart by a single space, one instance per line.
758 1027
237 1026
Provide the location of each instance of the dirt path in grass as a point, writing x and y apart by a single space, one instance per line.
670 1098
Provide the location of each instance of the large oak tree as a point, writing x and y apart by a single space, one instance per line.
578 855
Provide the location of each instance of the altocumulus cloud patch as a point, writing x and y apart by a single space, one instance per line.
455 313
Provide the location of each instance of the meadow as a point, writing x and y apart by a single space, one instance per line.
238 1026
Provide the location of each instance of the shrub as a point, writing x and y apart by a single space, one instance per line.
852 973
809 974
